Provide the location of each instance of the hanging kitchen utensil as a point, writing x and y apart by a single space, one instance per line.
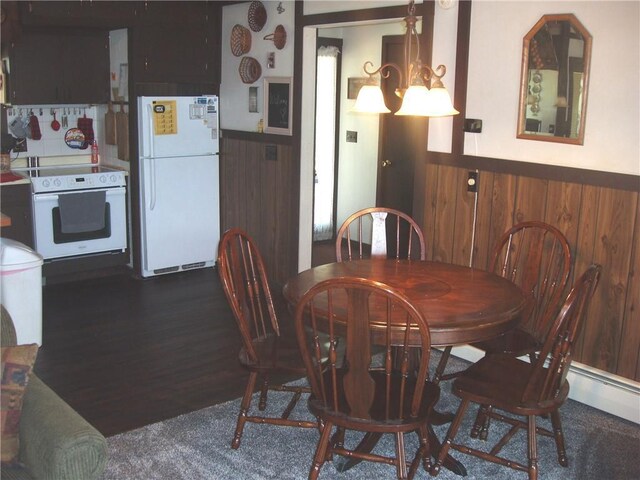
55 124
34 127
279 37
249 69
19 127
74 138
257 16
86 125
110 126
122 133
240 40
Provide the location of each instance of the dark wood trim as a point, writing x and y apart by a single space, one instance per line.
257 137
619 181
363 15
462 74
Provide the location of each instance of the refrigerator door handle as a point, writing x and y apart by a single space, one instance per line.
152 167
152 183
152 152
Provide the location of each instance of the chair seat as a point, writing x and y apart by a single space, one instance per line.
378 421
500 381
275 353
515 342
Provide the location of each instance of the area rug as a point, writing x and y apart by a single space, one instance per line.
197 446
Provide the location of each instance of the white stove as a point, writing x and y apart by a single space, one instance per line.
78 210
77 177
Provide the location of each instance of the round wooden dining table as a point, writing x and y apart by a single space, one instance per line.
461 304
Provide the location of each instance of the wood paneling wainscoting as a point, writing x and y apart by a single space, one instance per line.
598 212
261 195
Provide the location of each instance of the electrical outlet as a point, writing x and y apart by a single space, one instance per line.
271 152
472 182
472 125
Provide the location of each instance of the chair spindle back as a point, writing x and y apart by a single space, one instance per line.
375 327
246 287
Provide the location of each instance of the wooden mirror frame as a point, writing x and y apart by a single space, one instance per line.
524 80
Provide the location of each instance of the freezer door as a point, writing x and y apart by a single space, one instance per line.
177 126
180 213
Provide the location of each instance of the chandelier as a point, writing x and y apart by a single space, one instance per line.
417 99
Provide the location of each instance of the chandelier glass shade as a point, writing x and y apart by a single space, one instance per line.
415 77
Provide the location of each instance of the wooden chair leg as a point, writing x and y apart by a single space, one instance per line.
321 452
477 425
424 453
401 461
480 429
559 436
264 389
337 441
533 448
442 364
451 434
244 409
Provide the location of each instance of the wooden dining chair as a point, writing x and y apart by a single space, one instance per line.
264 351
365 234
364 388
521 388
536 257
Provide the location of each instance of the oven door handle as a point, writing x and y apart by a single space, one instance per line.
47 197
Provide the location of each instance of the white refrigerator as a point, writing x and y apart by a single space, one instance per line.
179 183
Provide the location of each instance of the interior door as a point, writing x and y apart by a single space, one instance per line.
402 138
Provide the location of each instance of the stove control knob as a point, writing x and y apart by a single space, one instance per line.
46 183
57 182
113 178
103 179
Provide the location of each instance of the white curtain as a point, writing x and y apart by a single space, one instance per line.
327 63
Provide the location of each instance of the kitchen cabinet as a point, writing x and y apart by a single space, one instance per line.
16 204
53 67
177 52
81 14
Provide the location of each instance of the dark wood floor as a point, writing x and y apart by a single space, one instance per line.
126 352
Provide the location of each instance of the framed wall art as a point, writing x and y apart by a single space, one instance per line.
278 108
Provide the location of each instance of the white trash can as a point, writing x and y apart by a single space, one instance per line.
21 289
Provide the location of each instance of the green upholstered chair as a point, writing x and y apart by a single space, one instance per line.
55 441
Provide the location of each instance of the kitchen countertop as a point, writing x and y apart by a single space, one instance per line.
22 180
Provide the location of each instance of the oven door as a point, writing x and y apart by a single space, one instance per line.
51 239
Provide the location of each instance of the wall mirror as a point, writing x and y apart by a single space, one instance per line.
554 81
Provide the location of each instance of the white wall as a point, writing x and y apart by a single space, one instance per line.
234 94
612 129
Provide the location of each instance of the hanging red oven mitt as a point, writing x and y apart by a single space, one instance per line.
34 127
86 125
